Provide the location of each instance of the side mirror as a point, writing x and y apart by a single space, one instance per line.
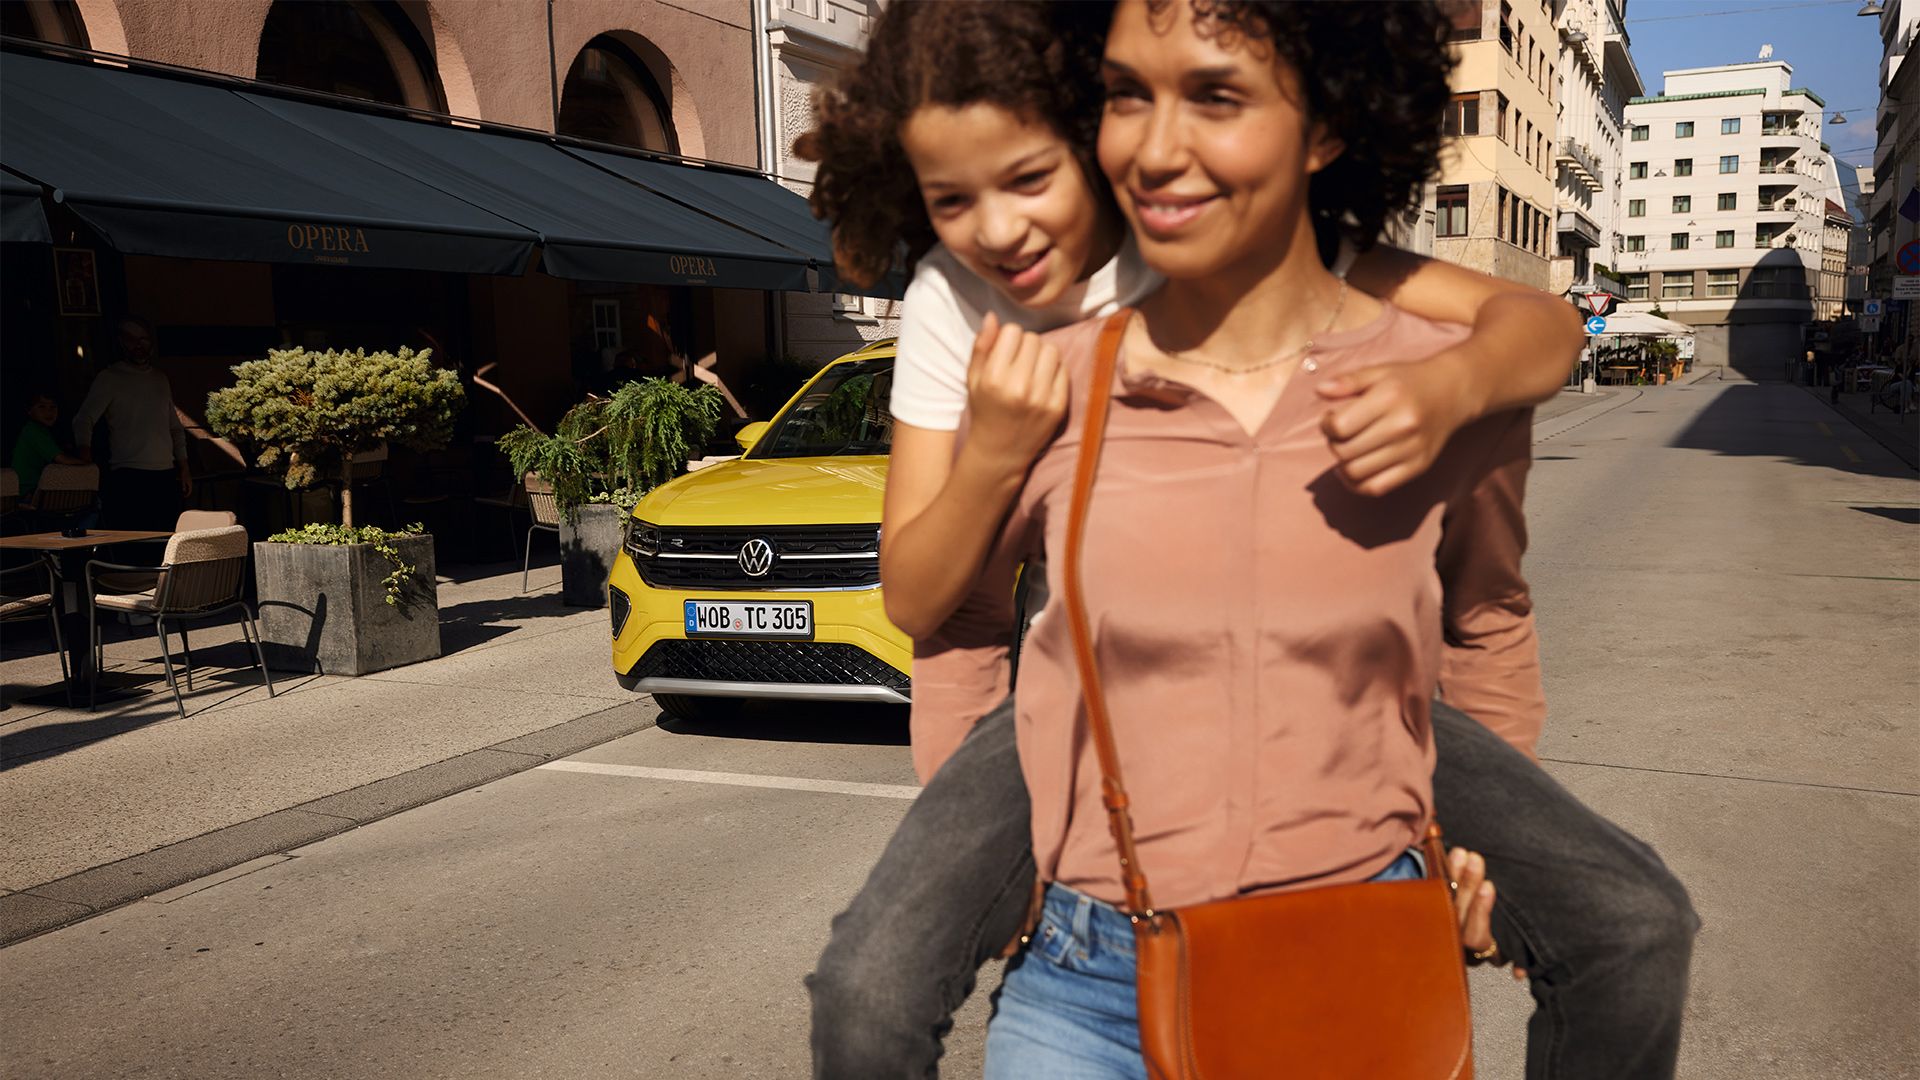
750 434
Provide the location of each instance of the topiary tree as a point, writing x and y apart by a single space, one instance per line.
304 411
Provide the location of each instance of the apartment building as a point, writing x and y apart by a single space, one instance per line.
1836 240
1893 210
1493 205
1726 190
1597 79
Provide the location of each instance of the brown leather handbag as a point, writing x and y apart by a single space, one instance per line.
1355 982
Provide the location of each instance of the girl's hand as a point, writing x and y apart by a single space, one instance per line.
1473 898
1016 395
1388 423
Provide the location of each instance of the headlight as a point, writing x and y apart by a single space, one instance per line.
642 540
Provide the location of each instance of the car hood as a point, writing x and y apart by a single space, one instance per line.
782 491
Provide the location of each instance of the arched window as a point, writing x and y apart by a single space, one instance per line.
610 96
360 48
57 21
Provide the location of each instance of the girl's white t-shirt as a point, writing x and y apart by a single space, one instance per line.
946 303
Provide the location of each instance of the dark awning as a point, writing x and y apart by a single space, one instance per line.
591 224
22 218
164 166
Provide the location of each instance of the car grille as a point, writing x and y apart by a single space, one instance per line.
805 557
809 662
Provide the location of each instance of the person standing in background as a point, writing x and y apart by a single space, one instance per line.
147 478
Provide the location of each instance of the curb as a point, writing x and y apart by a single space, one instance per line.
1560 425
76 897
1909 455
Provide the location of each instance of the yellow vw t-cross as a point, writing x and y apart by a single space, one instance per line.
760 577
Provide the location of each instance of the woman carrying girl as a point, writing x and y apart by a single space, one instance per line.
989 105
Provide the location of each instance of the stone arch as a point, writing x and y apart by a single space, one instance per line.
385 51
60 22
689 137
456 76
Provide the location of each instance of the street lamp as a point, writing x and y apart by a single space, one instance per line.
1871 7
1837 119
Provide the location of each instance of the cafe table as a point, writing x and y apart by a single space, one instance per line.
67 556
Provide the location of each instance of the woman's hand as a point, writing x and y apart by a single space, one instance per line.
1473 898
1389 423
1016 395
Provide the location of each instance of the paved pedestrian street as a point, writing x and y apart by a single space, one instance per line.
1728 585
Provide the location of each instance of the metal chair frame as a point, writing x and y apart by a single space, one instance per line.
171 579
53 616
545 512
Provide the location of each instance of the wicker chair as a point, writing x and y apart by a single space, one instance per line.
65 489
545 510
202 575
21 601
144 580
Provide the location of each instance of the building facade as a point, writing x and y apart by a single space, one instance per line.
666 77
804 44
1836 243
1893 209
1493 204
1597 79
1724 226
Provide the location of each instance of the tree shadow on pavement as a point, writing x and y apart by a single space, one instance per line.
832 722
1783 421
463 626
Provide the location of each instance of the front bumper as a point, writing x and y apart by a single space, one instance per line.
856 654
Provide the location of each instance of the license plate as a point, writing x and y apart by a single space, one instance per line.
770 618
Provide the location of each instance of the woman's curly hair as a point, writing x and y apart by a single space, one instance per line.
1376 75
1038 60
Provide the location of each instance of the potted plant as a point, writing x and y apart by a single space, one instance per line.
342 599
603 455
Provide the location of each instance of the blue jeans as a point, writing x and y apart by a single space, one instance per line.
1066 1009
1600 923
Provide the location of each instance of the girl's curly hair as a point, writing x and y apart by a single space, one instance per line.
1376 75
1034 58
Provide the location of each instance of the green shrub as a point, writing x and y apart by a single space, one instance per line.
307 412
616 448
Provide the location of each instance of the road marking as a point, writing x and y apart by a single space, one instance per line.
1824 429
755 780
1851 456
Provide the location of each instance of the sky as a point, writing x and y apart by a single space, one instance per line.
1834 52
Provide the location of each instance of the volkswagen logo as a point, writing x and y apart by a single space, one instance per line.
756 557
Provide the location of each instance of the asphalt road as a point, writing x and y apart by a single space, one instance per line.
1729 590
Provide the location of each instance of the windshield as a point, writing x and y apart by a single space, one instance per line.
844 412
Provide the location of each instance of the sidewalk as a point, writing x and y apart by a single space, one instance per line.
1900 434
97 809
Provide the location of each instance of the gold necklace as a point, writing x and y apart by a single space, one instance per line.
1339 304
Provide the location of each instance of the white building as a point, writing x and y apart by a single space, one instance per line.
801 45
1597 79
1726 188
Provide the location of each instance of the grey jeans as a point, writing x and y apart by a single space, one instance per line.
1605 930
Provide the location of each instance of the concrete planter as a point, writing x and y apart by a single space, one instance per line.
588 547
324 608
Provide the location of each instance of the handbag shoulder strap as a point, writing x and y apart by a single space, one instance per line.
1113 793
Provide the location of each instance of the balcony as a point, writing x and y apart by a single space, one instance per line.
1579 161
1577 229
1776 168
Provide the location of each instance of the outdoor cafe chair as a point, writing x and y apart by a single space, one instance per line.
188 521
512 503
546 518
203 574
65 489
22 601
9 490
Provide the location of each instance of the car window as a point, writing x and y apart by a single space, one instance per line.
844 412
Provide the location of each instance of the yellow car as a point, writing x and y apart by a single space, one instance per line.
760 577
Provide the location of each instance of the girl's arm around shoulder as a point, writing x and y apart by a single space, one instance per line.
1388 424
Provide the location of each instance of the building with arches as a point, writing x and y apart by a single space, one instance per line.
543 188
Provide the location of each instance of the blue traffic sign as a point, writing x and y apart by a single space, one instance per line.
1596 326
